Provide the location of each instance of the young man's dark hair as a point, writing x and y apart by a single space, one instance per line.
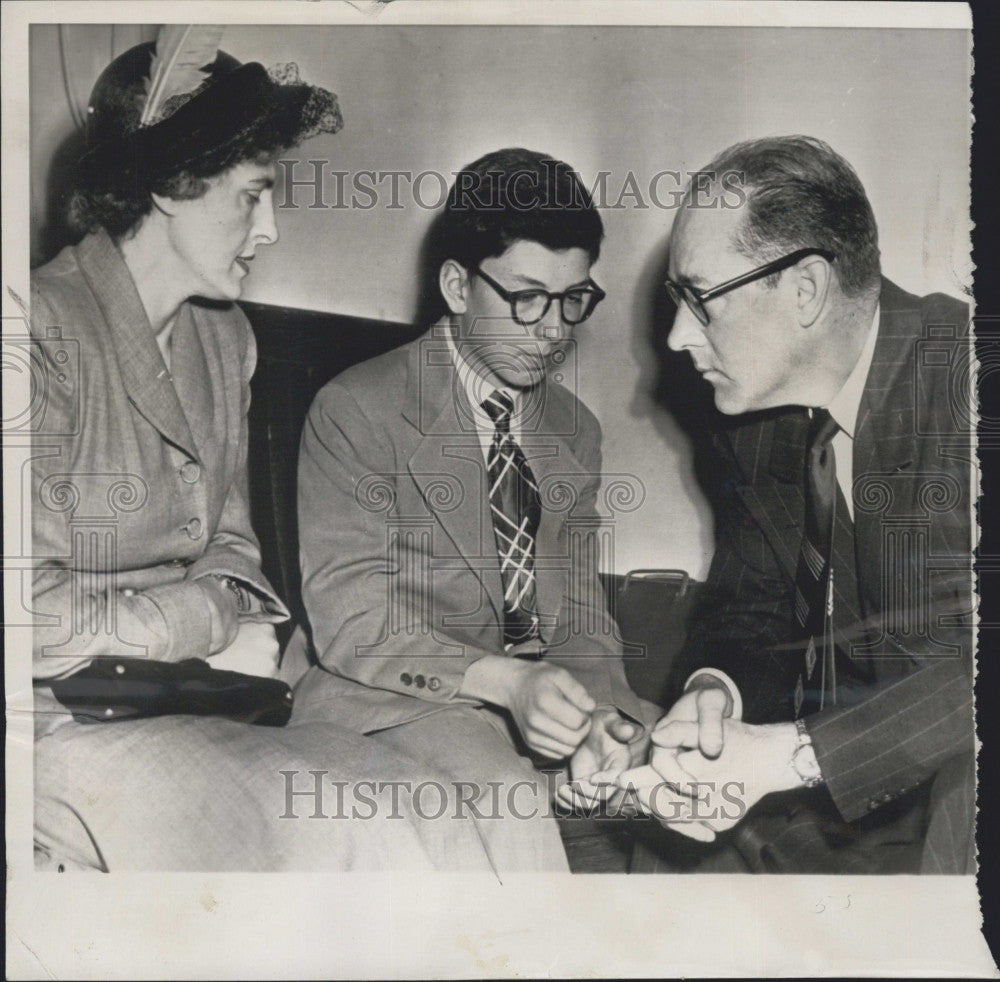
513 194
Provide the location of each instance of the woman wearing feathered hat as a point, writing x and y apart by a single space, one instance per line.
146 571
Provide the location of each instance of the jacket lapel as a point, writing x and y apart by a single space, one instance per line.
192 375
557 470
884 441
447 464
770 452
143 370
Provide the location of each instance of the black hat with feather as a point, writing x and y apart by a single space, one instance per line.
181 104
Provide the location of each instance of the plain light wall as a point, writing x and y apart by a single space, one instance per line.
634 101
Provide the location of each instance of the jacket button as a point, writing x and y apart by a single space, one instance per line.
190 472
882 798
433 683
420 681
128 592
406 678
193 528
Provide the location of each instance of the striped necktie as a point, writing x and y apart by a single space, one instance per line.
814 575
516 510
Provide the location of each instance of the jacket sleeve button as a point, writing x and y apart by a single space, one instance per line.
880 799
433 683
406 678
420 681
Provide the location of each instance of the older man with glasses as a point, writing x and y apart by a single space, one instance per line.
448 522
825 724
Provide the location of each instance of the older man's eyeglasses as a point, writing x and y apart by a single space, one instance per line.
696 299
528 307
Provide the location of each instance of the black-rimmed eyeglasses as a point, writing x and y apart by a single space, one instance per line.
696 299
528 307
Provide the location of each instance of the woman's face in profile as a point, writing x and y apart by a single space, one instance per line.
216 236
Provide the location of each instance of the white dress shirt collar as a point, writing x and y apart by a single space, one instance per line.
844 406
477 388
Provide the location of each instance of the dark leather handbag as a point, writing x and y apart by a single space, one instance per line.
111 689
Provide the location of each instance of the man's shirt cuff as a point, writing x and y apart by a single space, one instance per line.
727 683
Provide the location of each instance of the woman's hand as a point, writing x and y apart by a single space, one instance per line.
254 651
222 607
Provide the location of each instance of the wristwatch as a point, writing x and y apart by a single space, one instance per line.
804 761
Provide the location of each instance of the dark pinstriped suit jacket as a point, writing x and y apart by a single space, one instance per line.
904 696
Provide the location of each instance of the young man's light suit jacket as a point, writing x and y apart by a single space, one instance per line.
400 573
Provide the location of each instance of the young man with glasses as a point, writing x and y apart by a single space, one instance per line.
448 527
836 620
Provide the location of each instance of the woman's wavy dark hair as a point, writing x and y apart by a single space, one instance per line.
118 202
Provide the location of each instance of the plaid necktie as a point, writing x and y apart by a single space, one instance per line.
814 576
516 510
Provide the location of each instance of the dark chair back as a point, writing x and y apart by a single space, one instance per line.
298 352
651 607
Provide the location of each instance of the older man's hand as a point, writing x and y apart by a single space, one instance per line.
698 795
706 709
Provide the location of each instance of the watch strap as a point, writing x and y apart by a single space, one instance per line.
804 757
